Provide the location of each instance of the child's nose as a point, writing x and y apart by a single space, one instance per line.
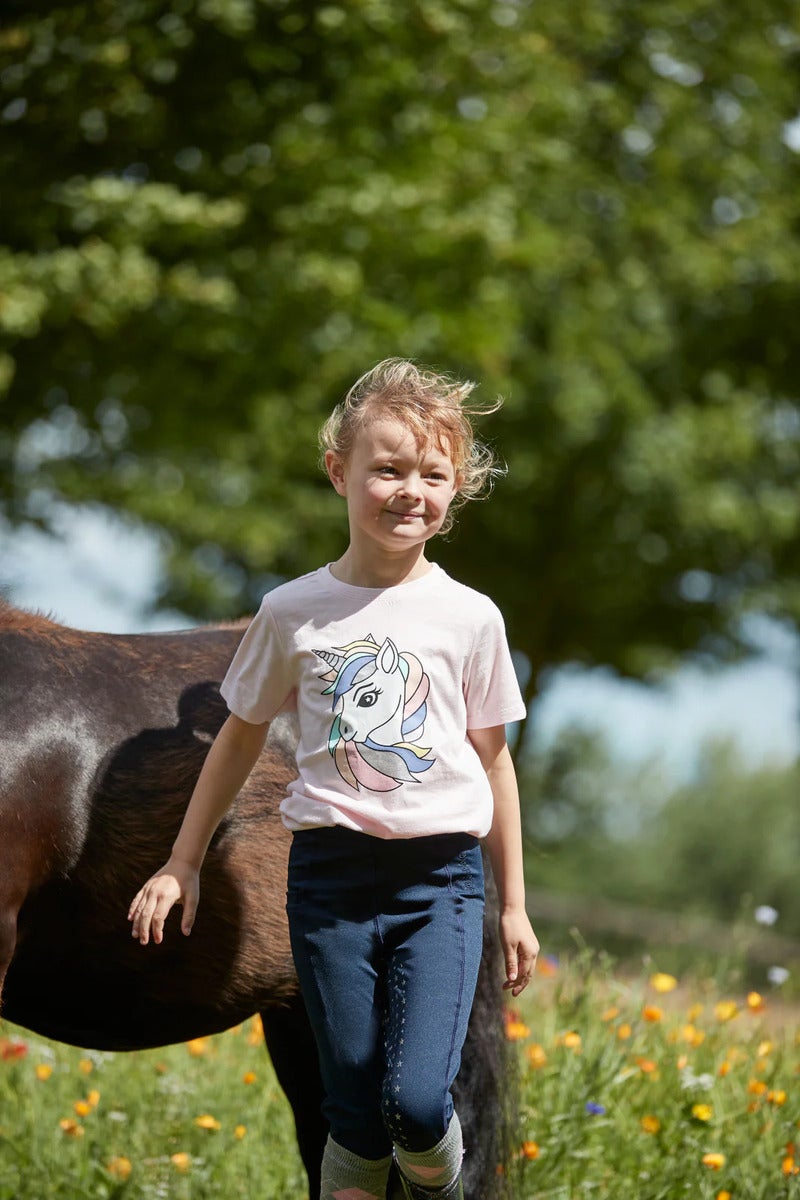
410 485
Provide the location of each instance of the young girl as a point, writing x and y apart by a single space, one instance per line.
402 683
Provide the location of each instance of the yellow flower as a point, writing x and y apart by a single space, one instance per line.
43 1071
789 1167
725 1010
536 1055
723 1195
776 1097
764 1048
530 1150
71 1127
249 1077
624 1031
683 1061
119 1166
93 1099
714 1160
610 1013
702 1112
755 1002
239 1132
206 1121
197 1047
650 1124
181 1160
256 1035
756 1087
86 1066
652 1013
572 1040
661 982
82 1108
517 1031
693 1035
695 1012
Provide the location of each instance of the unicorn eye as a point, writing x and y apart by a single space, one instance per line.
367 699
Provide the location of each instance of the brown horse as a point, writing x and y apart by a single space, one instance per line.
101 739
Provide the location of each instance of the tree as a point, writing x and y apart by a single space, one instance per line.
219 212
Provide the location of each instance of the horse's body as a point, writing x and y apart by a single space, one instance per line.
101 739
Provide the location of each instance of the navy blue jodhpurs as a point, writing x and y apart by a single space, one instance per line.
386 936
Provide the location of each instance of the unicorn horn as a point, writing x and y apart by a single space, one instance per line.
332 659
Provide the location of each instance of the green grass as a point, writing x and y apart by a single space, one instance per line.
583 1038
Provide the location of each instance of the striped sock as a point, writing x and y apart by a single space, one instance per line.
345 1176
437 1167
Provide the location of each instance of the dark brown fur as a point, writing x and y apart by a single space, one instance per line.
101 739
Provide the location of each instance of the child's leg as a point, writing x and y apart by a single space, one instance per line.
434 942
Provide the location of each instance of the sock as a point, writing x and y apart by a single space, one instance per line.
437 1167
345 1176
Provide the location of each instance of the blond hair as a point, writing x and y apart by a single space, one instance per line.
433 406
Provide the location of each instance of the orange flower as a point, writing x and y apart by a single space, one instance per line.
789 1167
756 1087
725 1010
723 1195
724 1068
693 1035
536 1055
119 1166
571 1039
93 1099
776 1097
646 1065
82 1108
651 1012
517 1031
71 1127
650 1124
610 1013
86 1066
43 1071
249 1077
197 1047
256 1035
182 1161
683 1061
714 1160
530 1150
206 1121
661 982
755 1002
624 1031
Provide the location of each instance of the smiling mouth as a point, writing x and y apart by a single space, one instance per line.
405 516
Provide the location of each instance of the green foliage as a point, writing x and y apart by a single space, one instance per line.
722 843
219 212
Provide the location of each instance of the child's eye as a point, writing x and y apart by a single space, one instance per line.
387 470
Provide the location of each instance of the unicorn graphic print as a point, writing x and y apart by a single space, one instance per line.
379 709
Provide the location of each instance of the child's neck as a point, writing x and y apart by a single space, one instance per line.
370 571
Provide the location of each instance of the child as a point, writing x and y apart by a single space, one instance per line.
402 683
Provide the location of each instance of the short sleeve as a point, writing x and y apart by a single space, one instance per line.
491 690
259 683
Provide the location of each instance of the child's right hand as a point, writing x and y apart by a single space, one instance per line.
176 883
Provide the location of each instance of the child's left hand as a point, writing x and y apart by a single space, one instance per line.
520 949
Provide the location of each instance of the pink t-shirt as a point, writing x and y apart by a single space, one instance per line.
385 682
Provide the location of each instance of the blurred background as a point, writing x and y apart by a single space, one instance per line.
216 214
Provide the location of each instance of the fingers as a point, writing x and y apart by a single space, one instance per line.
150 908
520 957
189 910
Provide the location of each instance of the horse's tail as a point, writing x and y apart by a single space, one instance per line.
487 1089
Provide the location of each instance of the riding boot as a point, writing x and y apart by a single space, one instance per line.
413 1191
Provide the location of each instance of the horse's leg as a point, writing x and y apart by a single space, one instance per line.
293 1051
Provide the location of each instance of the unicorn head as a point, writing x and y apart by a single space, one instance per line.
379 711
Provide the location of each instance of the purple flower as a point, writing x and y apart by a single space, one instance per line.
595 1110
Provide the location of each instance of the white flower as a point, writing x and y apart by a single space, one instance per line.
777 975
765 914
690 1080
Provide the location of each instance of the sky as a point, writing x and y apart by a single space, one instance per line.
101 573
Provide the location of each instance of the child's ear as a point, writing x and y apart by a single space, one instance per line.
459 482
335 468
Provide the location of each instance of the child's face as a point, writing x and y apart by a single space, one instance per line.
397 492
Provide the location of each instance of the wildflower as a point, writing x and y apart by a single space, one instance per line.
756 1087
595 1110
755 1002
610 1013
690 1080
660 982
12 1048
517 1031
765 914
683 1060
181 1160
547 966
197 1047
71 1127
695 1012
239 1132
723 1195
256 1035
693 1035
778 1096
86 1066
764 1048
702 1112
724 1068
777 975
43 1071
93 1099
571 1039
206 1121
119 1166
536 1055
82 1108
789 1166
530 1150
249 1077
650 1124
726 1010
714 1160
652 1013
646 1065
624 1031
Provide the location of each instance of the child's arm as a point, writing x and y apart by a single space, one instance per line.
228 764
504 843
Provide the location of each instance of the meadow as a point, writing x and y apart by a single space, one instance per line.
650 1088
